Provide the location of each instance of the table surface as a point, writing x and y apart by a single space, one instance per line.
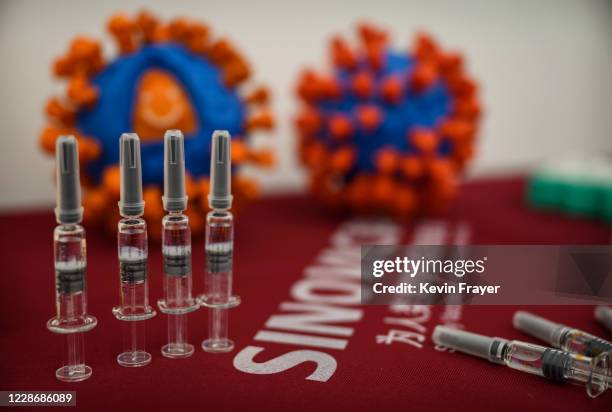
277 240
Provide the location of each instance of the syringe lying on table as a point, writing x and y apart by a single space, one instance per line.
560 366
176 250
219 247
72 318
560 336
134 308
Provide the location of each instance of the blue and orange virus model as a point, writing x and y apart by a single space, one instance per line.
167 76
388 132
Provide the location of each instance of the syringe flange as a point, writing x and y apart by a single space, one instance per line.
207 301
595 385
182 310
56 326
147 314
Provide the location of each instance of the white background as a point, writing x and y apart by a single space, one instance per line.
545 68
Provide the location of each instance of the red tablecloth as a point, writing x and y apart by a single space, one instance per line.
276 240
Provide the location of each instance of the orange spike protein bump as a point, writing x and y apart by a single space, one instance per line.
173 75
387 132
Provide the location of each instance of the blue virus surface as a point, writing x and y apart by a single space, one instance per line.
422 109
216 107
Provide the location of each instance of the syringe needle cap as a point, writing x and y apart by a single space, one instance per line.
467 342
68 208
131 202
220 196
536 326
604 315
174 198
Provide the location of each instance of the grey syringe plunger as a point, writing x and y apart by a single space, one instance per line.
537 326
175 198
604 315
131 202
470 343
69 209
220 196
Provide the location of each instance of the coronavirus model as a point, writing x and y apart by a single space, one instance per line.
167 76
388 132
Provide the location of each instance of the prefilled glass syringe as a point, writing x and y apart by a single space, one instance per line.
219 247
72 318
560 336
132 250
176 249
557 365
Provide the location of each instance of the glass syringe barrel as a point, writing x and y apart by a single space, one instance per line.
71 317
70 268
219 251
176 251
560 336
561 366
70 264
178 300
218 282
133 255
557 365
134 305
